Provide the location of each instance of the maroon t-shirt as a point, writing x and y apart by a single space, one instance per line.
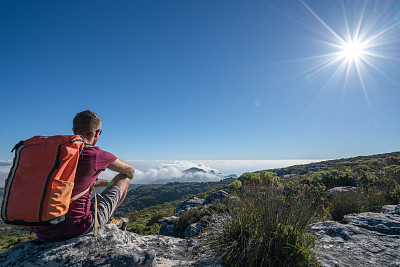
79 217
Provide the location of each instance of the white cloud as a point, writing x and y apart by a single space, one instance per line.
168 171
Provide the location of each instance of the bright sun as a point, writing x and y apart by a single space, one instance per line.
352 51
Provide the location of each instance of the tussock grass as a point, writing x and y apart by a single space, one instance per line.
268 228
361 200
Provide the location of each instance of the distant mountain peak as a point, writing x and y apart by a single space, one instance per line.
194 170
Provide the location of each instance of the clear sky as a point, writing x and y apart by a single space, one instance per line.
205 79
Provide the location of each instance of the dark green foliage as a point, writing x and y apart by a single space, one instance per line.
334 178
345 203
357 201
394 194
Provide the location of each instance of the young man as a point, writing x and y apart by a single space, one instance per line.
80 216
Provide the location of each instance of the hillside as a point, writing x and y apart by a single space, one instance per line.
149 195
329 164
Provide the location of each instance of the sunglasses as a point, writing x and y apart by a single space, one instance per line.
100 131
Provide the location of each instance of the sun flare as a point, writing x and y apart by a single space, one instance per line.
357 46
353 51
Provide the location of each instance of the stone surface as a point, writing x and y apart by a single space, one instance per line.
112 247
167 229
218 195
193 230
169 219
367 239
188 204
340 189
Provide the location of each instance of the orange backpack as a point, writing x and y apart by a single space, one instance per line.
38 189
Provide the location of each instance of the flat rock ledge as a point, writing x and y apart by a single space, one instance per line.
112 247
365 239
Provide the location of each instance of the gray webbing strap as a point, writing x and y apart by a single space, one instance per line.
80 194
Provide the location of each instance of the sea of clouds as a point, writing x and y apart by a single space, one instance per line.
164 171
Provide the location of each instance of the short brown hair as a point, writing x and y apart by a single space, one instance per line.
86 123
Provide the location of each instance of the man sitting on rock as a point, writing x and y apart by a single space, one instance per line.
80 216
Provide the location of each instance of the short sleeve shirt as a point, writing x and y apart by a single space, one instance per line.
79 217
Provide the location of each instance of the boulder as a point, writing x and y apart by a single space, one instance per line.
340 189
112 247
167 229
213 196
171 219
193 230
366 239
188 204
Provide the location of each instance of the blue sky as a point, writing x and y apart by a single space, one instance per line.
206 79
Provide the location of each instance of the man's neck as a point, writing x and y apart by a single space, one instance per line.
88 140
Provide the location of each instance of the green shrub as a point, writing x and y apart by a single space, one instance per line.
268 229
251 178
235 185
361 200
334 178
267 177
345 203
394 195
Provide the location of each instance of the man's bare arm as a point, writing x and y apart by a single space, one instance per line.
122 167
101 183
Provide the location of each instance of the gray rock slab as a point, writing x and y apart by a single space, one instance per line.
112 247
367 239
340 189
171 219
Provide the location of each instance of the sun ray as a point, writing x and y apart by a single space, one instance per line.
372 38
357 33
367 61
323 22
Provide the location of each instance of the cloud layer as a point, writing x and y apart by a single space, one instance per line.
164 171
169 171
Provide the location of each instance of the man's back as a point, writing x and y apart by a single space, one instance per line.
79 217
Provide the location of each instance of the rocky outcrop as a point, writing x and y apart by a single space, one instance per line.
366 239
168 227
195 228
188 204
340 189
112 247
214 196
